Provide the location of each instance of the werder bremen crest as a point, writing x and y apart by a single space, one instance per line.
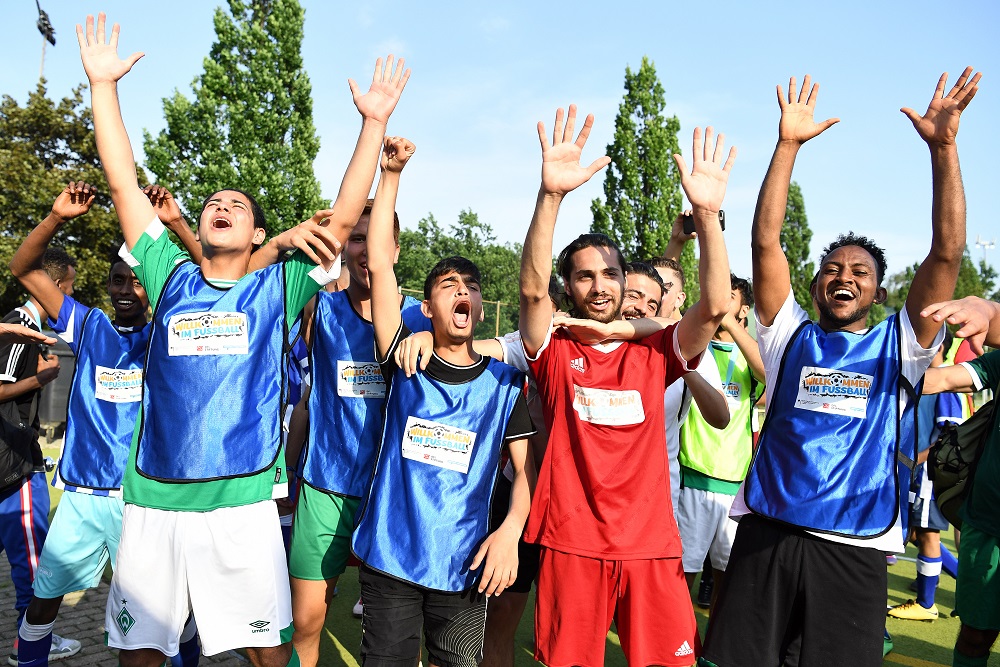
125 621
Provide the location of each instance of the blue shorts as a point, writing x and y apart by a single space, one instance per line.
83 537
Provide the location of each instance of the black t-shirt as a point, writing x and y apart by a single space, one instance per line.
520 424
17 362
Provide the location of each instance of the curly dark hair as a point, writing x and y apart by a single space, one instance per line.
850 238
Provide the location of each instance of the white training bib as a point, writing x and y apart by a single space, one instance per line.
834 392
360 379
608 407
118 385
438 444
209 333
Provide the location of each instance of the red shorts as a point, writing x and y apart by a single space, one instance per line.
649 601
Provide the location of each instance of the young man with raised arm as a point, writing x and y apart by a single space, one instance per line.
200 532
821 504
602 511
714 461
103 406
429 557
344 400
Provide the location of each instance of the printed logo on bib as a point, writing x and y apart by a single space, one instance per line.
834 392
118 385
200 334
732 391
438 444
608 407
360 379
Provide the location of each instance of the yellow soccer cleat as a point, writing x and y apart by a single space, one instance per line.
911 611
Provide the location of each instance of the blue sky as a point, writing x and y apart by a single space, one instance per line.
484 74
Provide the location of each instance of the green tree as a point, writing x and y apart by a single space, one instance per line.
250 124
43 146
473 239
972 281
795 238
642 188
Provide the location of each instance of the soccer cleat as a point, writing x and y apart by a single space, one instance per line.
705 594
61 648
911 611
359 609
886 644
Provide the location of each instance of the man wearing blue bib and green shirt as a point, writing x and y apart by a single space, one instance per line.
714 461
200 533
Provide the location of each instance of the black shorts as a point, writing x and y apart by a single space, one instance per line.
395 611
788 594
527 553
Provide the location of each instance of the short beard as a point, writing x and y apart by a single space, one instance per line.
606 318
860 313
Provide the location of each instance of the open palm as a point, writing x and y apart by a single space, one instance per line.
705 186
797 123
939 125
384 92
100 59
561 168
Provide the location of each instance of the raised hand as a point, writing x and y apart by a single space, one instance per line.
100 60
396 153
165 205
561 168
797 122
939 125
313 237
677 233
705 186
75 200
377 104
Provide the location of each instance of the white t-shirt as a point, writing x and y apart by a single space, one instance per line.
676 404
774 339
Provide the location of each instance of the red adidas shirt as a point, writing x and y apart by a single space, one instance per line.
604 487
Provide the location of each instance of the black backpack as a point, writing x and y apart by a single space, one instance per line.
17 440
953 458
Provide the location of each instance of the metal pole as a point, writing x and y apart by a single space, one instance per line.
41 68
498 320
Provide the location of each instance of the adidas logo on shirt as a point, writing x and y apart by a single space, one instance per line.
577 364
685 649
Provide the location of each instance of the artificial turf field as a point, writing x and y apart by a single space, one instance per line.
917 644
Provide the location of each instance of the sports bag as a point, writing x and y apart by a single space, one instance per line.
953 458
17 440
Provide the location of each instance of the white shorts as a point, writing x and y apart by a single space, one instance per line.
705 527
227 566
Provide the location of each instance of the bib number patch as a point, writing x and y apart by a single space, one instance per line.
118 385
438 444
834 392
608 407
202 334
360 379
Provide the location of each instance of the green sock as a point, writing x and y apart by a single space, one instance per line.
286 636
962 660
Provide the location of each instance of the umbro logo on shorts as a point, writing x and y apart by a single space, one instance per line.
577 365
685 649
260 626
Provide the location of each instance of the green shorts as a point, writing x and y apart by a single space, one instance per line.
321 534
977 594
